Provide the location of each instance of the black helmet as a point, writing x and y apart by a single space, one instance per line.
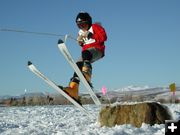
84 17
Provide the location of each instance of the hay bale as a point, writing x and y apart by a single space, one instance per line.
135 114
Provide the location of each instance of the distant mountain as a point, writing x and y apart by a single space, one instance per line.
133 88
149 93
5 97
40 94
130 90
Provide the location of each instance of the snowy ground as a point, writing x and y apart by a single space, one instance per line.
67 120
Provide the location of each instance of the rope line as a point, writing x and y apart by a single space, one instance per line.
36 33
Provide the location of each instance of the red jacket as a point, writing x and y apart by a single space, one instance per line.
98 38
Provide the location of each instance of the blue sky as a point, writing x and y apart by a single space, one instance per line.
142 48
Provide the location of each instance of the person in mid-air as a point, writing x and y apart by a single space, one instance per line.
91 38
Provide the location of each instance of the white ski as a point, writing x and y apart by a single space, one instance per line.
53 85
67 55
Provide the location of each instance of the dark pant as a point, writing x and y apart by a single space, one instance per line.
87 57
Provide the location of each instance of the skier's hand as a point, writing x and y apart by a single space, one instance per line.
80 40
80 43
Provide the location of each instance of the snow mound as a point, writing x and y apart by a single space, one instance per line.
57 120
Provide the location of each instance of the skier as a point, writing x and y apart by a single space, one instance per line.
91 38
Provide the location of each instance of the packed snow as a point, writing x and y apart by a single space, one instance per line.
67 120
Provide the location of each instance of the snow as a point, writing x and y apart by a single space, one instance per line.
65 120
133 88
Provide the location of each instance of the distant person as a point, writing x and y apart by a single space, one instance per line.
91 38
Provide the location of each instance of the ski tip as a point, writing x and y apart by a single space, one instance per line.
29 63
60 41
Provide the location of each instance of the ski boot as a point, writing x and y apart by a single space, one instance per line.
73 88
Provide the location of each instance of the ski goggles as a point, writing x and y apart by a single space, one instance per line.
82 25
